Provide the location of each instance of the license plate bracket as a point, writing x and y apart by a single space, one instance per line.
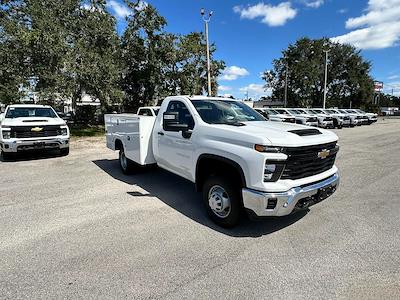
39 145
325 192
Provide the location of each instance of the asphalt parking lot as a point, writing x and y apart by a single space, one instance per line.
76 226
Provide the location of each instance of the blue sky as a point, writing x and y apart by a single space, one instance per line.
250 34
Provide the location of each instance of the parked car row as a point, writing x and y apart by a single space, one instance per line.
318 117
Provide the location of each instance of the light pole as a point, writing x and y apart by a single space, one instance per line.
326 75
206 19
286 81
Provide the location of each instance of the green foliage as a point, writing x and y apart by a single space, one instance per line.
157 64
348 75
65 49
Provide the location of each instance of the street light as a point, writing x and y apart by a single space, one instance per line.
326 74
206 19
286 82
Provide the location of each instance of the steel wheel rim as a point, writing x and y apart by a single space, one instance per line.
219 201
123 160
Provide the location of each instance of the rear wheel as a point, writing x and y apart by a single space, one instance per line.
125 163
222 200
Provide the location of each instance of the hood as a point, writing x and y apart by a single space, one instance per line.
279 133
32 121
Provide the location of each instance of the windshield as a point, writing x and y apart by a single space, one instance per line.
225 112
24 112
293 111
282 112
302 112
318 111
343 111
272 112
330 111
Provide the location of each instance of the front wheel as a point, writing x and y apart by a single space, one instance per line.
222 200
125 163
64 151
7 156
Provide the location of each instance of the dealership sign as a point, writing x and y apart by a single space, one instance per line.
378 86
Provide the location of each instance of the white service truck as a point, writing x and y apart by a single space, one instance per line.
32 127
232 154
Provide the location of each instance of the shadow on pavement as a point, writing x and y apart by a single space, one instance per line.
163 185
31 155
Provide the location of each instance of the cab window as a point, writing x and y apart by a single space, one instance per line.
145 112
184 114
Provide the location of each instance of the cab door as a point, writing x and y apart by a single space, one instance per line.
175 147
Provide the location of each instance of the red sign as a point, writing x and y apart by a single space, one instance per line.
378 86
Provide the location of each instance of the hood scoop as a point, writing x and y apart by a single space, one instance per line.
34 121
305 132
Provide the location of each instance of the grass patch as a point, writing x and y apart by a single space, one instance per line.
87 131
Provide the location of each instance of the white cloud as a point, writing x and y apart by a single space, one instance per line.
224 88
255 90
271 15
392 77
378 28
342 11
233 73
314 4
119 8
395 85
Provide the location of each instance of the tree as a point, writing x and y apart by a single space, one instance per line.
144 47
60 48
192 63
348 74
93 61
158 64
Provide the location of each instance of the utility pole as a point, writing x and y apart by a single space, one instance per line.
326 75
206 20
286 83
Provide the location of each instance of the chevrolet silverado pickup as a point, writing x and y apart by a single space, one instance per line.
238 159
273 115
32 127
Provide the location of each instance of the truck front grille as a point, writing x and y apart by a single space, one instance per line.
309 160
22 132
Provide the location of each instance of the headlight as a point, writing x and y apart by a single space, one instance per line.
6 134
268 149
64 131
273 171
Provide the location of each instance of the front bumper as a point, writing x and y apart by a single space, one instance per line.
15 145
259 203
326 124
314 124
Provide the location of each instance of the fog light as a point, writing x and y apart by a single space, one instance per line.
271 203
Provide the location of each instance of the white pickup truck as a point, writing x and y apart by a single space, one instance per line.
32 127
232 154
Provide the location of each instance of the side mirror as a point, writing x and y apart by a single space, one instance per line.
171 122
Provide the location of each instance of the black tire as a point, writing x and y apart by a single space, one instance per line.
7 156
231 190
64 151
125 163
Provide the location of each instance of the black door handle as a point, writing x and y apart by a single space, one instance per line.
160 133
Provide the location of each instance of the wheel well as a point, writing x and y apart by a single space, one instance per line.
209 164
118 145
